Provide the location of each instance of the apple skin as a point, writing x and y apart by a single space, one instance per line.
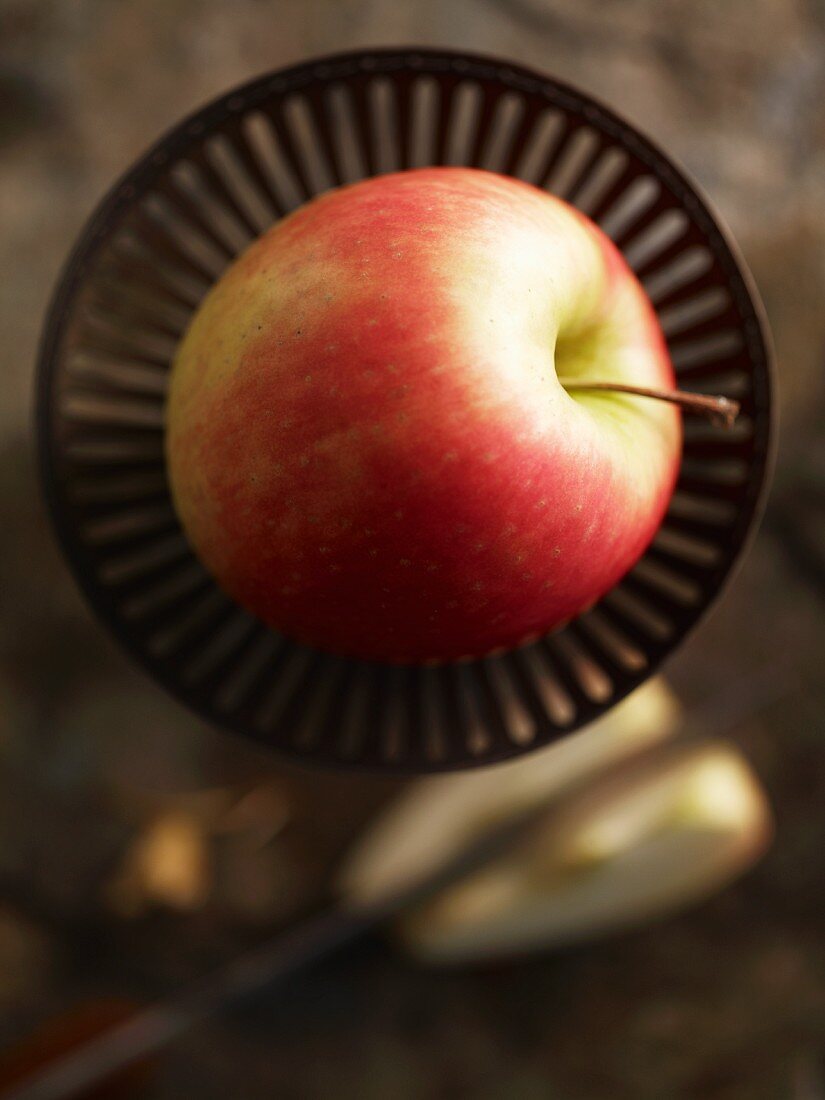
368 443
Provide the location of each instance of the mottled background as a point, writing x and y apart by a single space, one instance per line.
725 1002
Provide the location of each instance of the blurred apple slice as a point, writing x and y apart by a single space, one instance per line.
635 828
658 835
435 818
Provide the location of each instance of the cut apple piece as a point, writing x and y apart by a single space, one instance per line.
435 818
657 835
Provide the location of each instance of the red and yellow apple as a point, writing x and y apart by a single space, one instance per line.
370 445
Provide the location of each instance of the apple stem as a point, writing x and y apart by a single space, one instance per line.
721 411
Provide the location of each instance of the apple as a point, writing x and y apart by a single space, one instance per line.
376 435
629 825
664 835
432 820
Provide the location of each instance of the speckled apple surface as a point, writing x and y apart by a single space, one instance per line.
368 443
